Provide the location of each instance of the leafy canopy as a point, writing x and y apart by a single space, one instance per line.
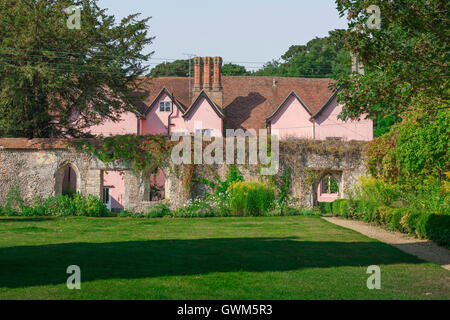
51 75
406 58
321 57
180 68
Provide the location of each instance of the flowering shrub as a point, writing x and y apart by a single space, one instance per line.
197 208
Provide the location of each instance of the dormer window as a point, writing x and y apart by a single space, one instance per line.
165 106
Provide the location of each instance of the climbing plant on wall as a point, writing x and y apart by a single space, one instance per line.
143 153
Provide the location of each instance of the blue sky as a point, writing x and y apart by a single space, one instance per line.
239 31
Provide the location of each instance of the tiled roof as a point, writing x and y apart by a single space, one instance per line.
33 144
247 101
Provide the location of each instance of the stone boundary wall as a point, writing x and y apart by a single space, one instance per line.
37 167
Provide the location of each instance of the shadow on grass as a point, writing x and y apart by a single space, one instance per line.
24 266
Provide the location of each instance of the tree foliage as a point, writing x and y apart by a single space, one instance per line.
177 68
320 57
180 68
413 150
407 57
51 74
231 69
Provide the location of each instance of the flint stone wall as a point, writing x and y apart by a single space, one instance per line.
37 167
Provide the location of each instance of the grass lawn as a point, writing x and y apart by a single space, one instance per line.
212 258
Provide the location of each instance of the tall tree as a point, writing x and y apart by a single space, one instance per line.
231 69
320 57
180 68
406 58
404 46
177 68
53 69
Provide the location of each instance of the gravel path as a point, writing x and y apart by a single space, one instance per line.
424 249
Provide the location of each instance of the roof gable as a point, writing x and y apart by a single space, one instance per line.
247 100
292 94
158 97
203 94
324 107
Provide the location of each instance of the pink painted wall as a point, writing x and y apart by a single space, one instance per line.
292 120
127 124
156 121
325 197
158 180
203 113
328 125
115 179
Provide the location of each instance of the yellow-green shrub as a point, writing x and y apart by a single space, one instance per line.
251 198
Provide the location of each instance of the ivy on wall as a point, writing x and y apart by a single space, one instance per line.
144 153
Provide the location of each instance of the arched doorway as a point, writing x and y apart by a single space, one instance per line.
69 184
67 180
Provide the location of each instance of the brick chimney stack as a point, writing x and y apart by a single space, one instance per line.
198 74
207 62
217 86
206 68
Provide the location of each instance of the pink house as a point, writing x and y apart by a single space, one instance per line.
294 119
212 103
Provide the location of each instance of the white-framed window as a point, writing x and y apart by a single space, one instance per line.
165 106
203 132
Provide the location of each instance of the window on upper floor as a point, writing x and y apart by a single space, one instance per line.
165 106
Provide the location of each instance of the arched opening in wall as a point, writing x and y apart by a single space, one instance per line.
328 189
66 180
157 186
69 186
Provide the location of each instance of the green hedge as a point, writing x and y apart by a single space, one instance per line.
427 225
325 207
60 206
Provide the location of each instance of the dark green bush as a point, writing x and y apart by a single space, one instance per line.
437 228
411 222
325 207
336 206
344 208
395 218
427 225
